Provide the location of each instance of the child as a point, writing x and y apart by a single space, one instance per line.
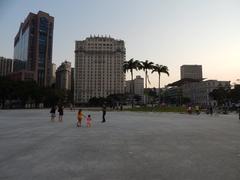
89 121
79 117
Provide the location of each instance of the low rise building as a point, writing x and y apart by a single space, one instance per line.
22 75
6 66
192 86
138 87
198 92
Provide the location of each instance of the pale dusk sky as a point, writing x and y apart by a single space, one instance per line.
167 32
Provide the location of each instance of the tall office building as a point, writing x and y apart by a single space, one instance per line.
6 66
33 45
18 65
191 72
63 76
98 68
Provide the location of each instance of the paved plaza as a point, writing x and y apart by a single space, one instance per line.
130 145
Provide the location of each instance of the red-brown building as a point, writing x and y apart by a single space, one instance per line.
22 75
33 45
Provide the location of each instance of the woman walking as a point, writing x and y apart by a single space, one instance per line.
60 111
80 116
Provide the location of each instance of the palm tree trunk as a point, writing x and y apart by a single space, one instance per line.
145 97
159 92
132 88
146 79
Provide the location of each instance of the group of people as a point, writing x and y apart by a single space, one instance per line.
53 112
80 115
209 110
196 109
190 110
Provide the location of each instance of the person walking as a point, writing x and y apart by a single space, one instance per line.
60 111
80 117
89 120
103 113
211 110
53 111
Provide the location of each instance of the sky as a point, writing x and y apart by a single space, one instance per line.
166 32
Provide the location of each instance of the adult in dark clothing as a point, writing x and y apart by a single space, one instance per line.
211 110
53 111
60 111
104 113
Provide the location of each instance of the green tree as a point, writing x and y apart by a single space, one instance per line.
220 95
234 94
6 90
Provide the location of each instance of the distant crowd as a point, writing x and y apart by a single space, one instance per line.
210 110
80 116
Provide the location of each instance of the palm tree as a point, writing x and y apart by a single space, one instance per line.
131 65
160 69
145 66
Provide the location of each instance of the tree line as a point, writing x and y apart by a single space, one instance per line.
16 94
224 96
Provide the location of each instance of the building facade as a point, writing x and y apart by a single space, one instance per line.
18 65
198 92
191 72
22 75
72 80
6 66
53 72
193 87
33 45
138 87
98 68
63 76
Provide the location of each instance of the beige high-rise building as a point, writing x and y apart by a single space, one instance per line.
98 68
63 76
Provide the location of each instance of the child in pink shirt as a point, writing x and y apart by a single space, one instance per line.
89 121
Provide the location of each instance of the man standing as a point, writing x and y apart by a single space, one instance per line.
104 113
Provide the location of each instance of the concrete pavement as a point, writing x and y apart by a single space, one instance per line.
161 146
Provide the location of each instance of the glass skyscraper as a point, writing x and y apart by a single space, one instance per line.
33 45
